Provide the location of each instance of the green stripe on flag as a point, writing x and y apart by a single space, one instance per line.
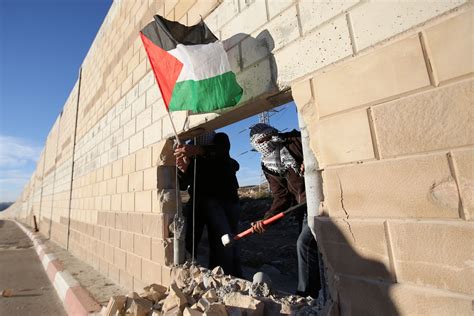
206 95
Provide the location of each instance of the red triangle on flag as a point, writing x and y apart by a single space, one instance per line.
165 66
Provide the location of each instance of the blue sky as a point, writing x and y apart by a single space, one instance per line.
42 45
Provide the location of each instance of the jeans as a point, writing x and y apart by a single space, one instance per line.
223 218
309 282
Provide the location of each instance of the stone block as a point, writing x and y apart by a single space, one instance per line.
154 226
248 304
144 119
373 22
138 106
257 79
450 45
120 258
135 222
341 88
162 251
116 202
125 279
274 35
134 265
128 202
135 182
201 9
464 165
343 138
249 19
408 187
143 201
136 142
149 178
406 126
162 154
276 7
165 275
152 133
313 51
122 221
129 129
129 164
143 158
140 71
182 7
122 184
151 272
315 13
117 168
226 11
114 237
354 247
142 246
111 186
434 254
164 201
126 241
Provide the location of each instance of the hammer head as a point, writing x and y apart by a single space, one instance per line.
227 240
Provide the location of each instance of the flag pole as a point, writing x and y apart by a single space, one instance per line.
174 128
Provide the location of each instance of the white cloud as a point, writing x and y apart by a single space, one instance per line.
15 152
17 162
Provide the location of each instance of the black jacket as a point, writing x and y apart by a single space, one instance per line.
215 175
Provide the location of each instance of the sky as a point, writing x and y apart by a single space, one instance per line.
42 45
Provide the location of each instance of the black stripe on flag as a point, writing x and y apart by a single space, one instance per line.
167 34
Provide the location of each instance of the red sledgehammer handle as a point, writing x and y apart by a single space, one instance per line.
270 220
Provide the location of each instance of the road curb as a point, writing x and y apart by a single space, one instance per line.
76 299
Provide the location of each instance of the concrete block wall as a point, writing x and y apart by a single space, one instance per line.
362 74
389 127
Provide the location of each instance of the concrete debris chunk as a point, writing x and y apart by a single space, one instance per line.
210 282
139 307
175 311
203 304
156 313
211 295
154 292
191 312
250 305
218 271
181 277
216 309
261 285
175 298
116 306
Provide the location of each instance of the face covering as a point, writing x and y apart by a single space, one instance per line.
275 156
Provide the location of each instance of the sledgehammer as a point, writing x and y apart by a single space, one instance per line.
229 240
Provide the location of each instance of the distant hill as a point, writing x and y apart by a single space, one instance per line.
5 205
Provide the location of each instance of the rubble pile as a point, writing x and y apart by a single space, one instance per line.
197 291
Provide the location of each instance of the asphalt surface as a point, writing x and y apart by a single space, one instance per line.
22 273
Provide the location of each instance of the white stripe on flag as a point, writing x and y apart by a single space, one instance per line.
201 61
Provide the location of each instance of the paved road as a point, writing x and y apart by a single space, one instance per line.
21 271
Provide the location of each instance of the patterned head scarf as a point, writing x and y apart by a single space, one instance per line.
275 156
259 131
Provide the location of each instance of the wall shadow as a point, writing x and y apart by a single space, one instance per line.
358 285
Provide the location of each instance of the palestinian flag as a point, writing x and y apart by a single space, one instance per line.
190 66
